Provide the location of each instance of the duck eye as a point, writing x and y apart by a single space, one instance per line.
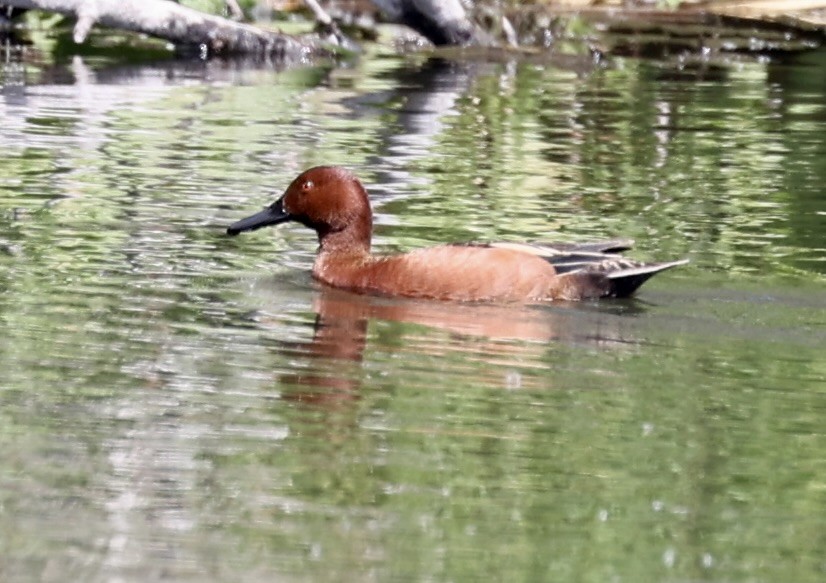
307 186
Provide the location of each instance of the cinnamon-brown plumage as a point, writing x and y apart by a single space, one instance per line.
332 201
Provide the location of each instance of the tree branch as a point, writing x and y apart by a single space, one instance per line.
443 22
177 24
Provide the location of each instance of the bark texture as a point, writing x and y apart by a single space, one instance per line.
178 24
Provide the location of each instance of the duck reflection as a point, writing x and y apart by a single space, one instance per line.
495 335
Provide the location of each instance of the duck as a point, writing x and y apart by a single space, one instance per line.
333 202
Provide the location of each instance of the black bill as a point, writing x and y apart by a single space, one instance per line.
272 215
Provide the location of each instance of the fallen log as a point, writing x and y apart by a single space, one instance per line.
185 27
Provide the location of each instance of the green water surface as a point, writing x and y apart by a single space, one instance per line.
179 405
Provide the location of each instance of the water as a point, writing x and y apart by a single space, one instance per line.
180 405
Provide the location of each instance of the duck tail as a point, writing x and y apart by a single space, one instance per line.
618 278
624 282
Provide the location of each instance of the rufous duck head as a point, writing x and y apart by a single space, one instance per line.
328 199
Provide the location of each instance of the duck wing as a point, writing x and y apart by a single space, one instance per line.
597 262
549 250
568 257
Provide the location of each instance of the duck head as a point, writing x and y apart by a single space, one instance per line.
328 199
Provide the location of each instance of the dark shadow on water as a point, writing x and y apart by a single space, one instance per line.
427 93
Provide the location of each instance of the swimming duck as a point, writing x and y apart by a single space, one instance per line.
332 201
